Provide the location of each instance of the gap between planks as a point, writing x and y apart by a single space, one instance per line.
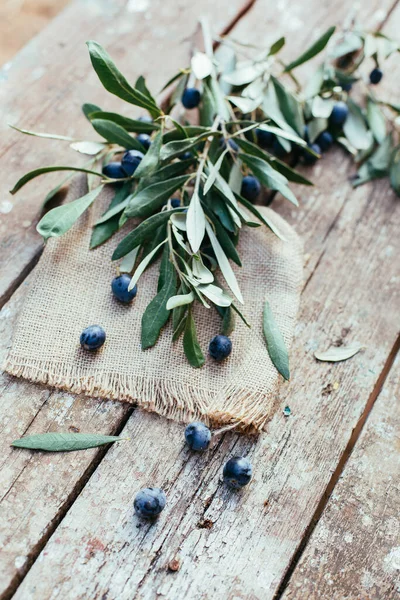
339 469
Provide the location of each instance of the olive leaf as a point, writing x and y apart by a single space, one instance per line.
263 219
338 353
115 134
376 121
191 345
88 109
180 300
269 176
213 171
103 230
149 199
290 107
312 51
127 264
64 442
195 222
275 343
150 161
114 82
142 266
224 264
142 233
125 122
50 136
60 219
37 172
157 314
228 321
355 128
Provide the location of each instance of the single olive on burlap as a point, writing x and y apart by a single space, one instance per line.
72 289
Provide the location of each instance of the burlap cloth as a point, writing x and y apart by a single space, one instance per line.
71 290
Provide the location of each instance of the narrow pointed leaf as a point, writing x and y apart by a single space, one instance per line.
312 51
191 345
275 343
128 124
151 198
115 134
157 314
224 264
64 442
43 170
180 300
143 266
150 161
269 177
142 233
338 353
195 222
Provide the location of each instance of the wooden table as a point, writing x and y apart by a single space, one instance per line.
320 519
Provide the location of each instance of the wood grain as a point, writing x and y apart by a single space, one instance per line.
43 88
354 551
239 545
36 489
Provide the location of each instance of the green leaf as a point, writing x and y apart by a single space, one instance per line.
32 174
376 121
263 219
128 262
278 45
88 109
156 314
224 239
115 134
150 161
395 170
228 322
275 343
142 266
213 171
312 51
142 233
104 230
219 208
125 122
208 109
191 345
64 442
277 164
50 136
145 202
180 300
141 86
269 177
224 264
59 220
114 82
173 149
189 131
166 173
287 135
355 128
290 107
195 222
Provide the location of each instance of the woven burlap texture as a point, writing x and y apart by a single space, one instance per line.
71 290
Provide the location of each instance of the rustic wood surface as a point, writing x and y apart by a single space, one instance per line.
354 551
229 545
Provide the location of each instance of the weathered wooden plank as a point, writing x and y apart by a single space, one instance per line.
239 545
43 88
37 489
354 551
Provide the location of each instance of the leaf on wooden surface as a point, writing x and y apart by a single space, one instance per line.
64 442
60 219
312 51
51 136
338 353
43 170
191 345
275 343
